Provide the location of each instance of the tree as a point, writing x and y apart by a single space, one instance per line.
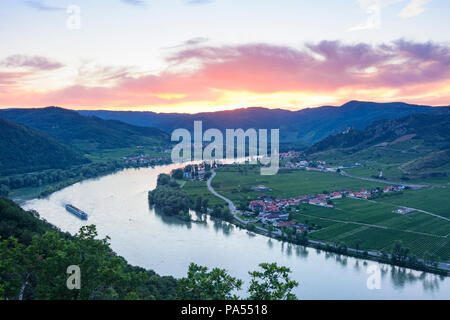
270 229
302 237
163 179
272 283
198 204
39 270
205 205
357 244
207 175
177 174
201 284
4 190
399 252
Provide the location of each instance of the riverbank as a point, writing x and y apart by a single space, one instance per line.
117 204
84 173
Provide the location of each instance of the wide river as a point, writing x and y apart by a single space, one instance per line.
117 205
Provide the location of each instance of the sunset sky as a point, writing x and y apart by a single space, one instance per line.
200 55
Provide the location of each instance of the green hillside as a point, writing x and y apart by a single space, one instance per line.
35 257
415 147
23 150
85 133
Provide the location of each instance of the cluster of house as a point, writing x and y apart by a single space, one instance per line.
365 194
198 175
403 210
199 172
144 159
272 210
261 188
317 166
309 165
289 155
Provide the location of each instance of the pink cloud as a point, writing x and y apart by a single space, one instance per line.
321 68
34 62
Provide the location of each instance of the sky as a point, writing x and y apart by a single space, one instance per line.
209 55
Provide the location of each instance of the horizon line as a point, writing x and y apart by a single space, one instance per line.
146 109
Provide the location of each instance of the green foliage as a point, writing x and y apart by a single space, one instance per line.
163 179
24 150
198 204
170 199
431 128
23 225
272 283
48 181
221 212
85 133
399 252
201 284
34 257
177 174
4 190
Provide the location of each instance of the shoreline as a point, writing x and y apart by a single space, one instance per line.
314 244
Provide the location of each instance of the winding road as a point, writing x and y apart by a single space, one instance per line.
232 207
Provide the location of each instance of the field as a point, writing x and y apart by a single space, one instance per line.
104 155
198 188
237 185
391 159
434 200
370 238
371 225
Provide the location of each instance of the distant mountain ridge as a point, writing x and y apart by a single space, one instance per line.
305 126
23 150
433 128
420 141
84 132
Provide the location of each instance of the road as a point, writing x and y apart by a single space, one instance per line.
230 203
412 186
232 207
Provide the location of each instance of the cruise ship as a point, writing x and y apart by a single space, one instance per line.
77 212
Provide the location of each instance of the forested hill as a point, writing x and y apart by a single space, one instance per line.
23 150
85 133
35 256
305 126
433 129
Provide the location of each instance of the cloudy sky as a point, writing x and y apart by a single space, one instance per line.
200 55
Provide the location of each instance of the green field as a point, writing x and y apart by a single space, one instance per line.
380 214
104 155
392 173
434 200
370 238
371 224
198 188
236 185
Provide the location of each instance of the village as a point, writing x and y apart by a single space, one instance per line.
318 165
144 159
276 211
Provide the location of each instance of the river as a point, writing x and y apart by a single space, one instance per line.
117 204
